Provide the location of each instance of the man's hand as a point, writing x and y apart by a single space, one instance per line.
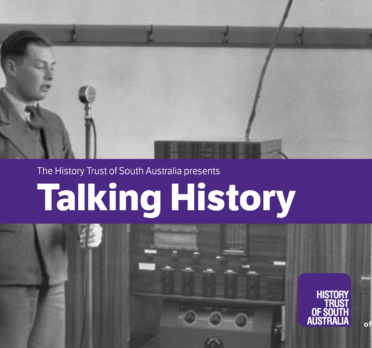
95 235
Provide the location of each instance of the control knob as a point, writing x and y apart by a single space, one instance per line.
189 317
215 319
195 258
241 320
213 342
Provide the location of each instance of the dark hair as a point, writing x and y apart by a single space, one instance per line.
16 44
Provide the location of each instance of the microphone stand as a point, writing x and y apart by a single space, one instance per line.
88 265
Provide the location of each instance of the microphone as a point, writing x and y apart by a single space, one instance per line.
87 96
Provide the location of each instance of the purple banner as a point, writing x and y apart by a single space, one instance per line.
184 191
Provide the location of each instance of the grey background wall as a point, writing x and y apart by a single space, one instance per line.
318 101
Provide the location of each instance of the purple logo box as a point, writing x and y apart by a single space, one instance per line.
324 299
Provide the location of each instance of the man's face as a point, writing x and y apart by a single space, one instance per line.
34 73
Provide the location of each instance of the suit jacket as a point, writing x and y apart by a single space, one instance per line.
20 254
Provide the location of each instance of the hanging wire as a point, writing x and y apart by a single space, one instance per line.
260 83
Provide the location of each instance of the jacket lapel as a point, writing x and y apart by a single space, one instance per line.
50 134
15 129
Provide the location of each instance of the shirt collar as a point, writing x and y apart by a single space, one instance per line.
18 105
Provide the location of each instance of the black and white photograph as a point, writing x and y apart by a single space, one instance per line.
192 79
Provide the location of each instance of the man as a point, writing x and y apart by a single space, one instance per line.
33 261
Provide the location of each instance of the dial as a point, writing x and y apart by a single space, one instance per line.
234 239
213 342
215 319
241 320
189 317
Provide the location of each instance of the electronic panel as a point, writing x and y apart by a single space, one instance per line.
216 278
209 285
224 149
217 326
205 261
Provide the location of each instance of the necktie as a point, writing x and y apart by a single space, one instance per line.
36 124
35 121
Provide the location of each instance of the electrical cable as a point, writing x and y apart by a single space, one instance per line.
282 154
260 82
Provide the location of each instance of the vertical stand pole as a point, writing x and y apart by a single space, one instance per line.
88 285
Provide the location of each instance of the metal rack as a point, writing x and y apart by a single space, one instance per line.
197 36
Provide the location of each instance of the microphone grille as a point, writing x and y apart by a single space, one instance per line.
87 94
